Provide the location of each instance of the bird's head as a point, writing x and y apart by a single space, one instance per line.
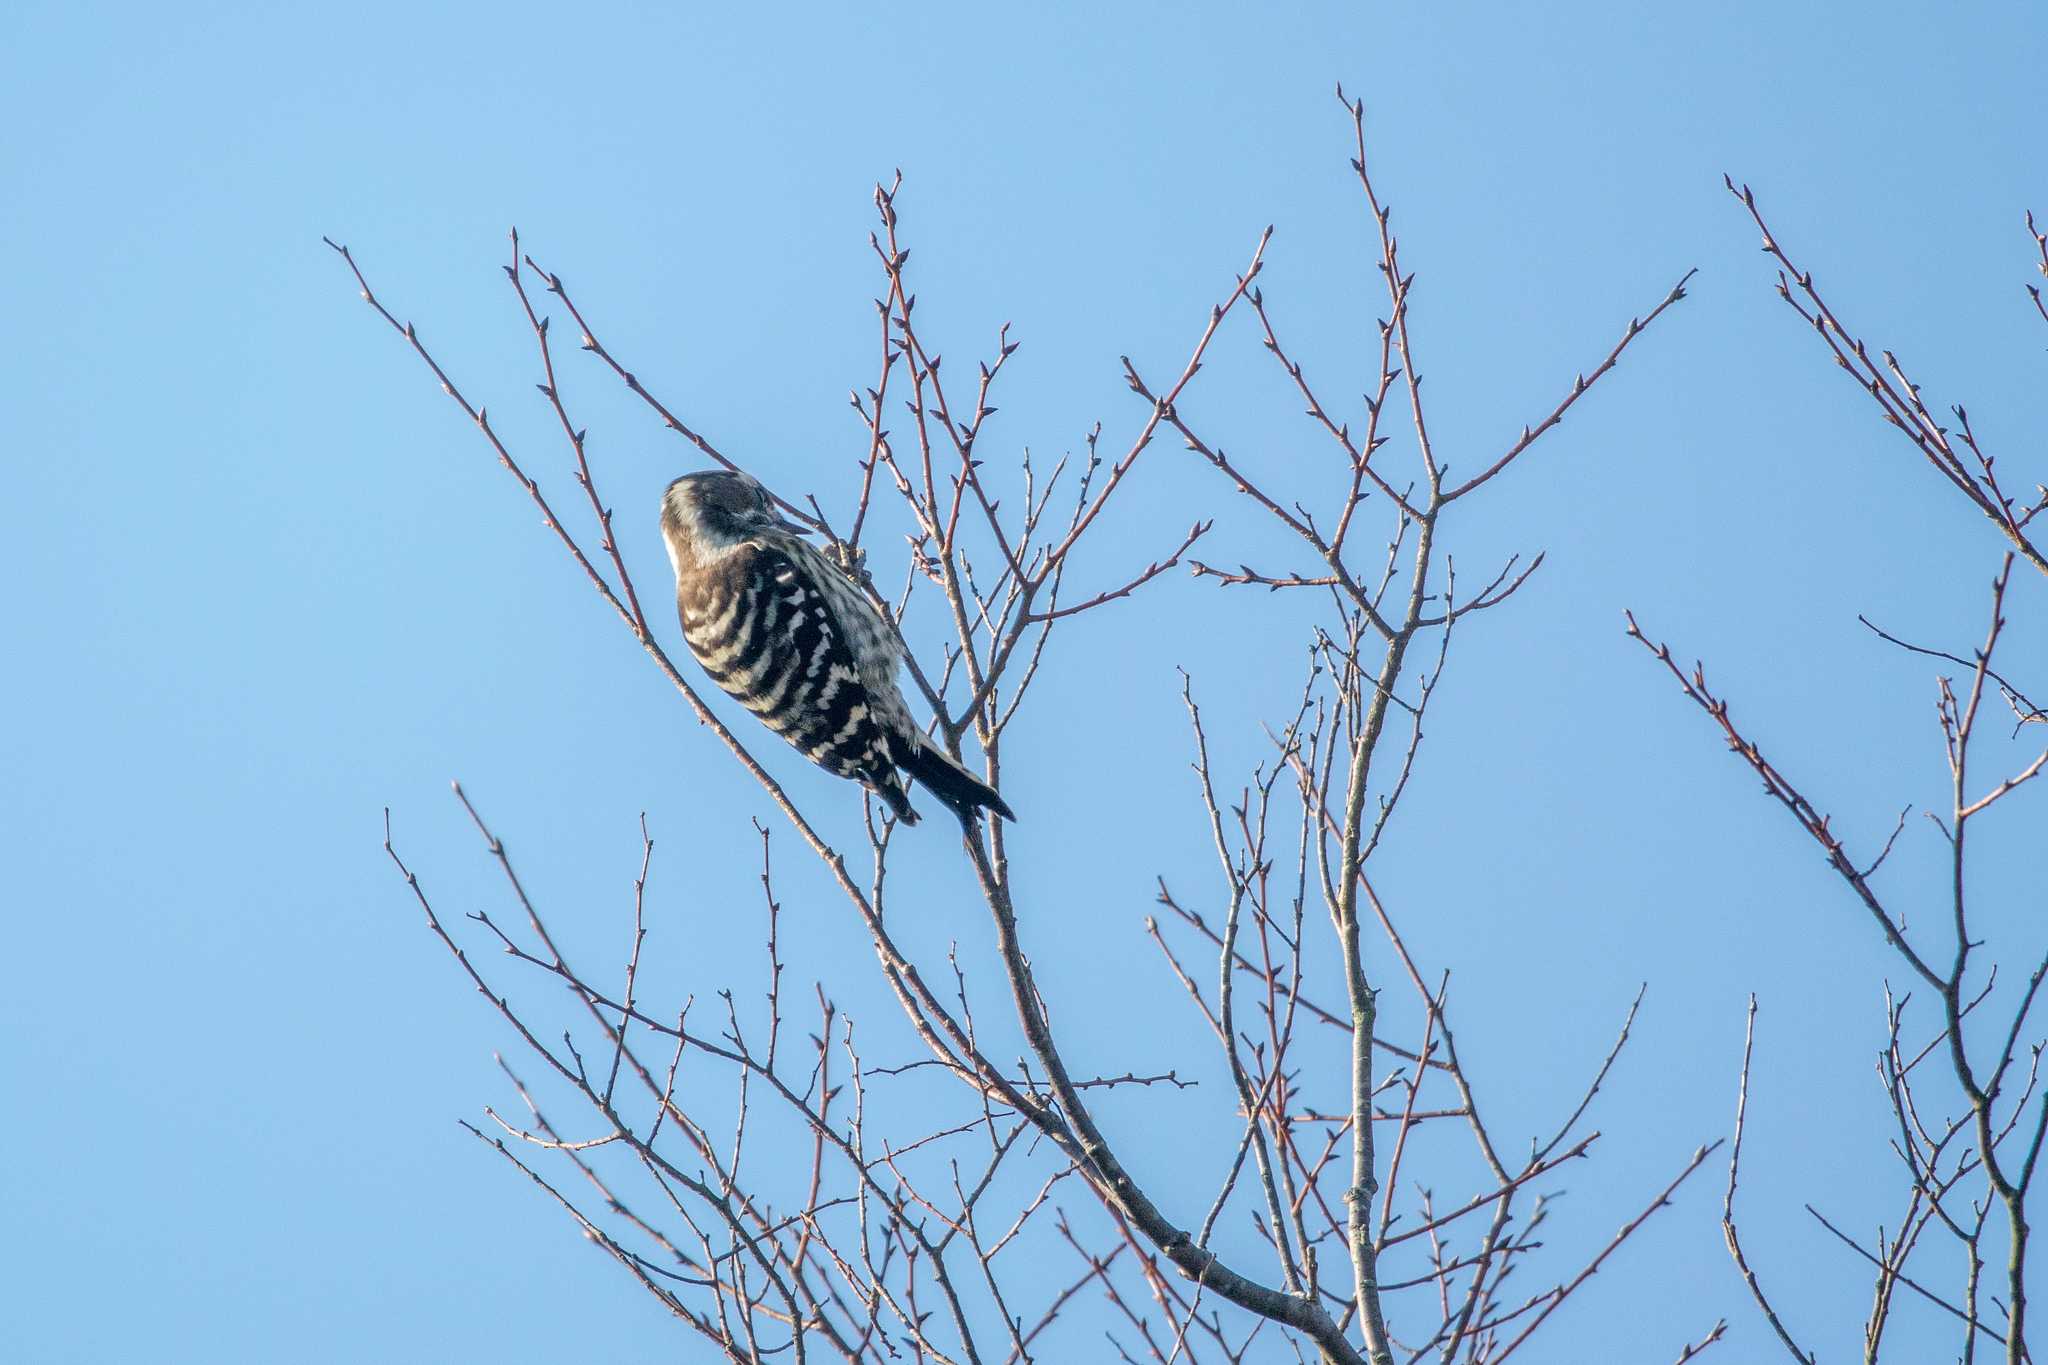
716 509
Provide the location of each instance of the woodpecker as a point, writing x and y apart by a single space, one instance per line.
786 633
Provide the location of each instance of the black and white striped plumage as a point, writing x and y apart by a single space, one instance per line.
780 628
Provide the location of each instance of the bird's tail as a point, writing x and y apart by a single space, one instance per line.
936 771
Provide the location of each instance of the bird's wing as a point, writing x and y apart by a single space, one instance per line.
839 702
876 648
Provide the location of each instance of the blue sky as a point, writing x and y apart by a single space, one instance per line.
268 583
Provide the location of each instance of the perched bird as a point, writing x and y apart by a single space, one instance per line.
785 632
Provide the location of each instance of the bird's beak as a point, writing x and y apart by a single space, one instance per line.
782 523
